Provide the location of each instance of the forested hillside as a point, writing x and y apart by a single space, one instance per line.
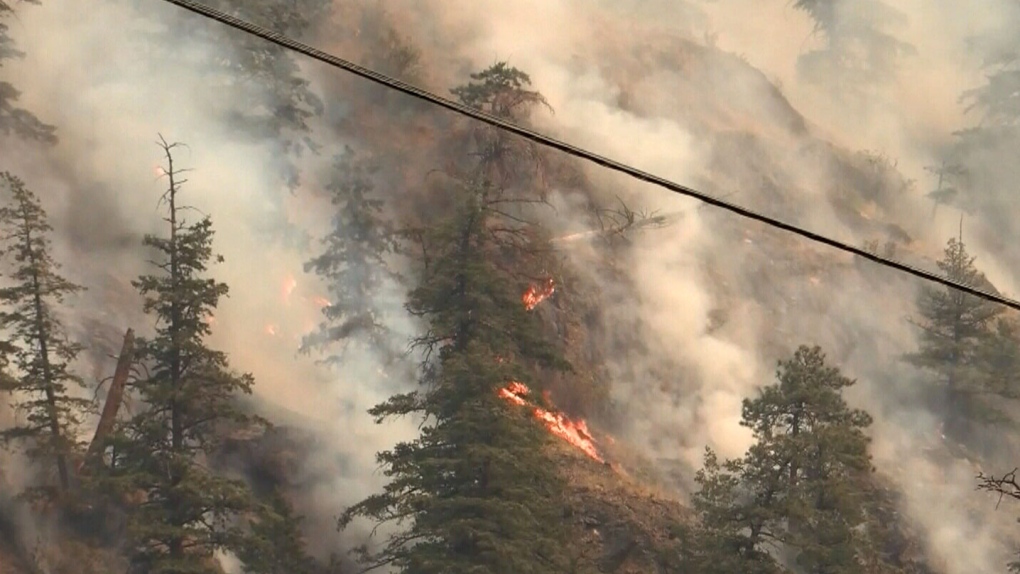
262 317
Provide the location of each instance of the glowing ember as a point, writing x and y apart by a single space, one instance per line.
538 293
574 432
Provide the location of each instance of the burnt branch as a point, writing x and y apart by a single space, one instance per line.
1004 486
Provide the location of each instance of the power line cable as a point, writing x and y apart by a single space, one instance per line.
611 164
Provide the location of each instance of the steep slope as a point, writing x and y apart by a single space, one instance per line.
623 520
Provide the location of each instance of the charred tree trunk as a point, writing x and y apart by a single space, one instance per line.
114 398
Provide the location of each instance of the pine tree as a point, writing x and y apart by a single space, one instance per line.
15 120
354 263
475 492
187 513
988 146
953 327
503 160
733 534
999 357
859 49
997 100
797 483
946 191
44 382
277 103
276 545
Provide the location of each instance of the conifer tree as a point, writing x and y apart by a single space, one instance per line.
15 120
503 160
996 100
987 147
953 328
797 484
999 357
475 492
733 535
41 352
353 263
277 103
276 545
859 49
187 512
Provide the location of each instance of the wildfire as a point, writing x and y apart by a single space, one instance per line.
270 330
538 293
321 302
574 432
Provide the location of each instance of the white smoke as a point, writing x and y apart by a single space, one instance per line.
631 79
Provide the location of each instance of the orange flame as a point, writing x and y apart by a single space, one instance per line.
574 432
538 293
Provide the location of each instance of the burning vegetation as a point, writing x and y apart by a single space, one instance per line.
574 432
478 488
535 294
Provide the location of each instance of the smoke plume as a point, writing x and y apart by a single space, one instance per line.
704 93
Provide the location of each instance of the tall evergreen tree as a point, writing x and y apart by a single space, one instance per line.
987 146
859 50
270 101
953 328
946 191
276 545
999 357
353 263
475 492
996 100
502 159
797 484
15 120
44 382
187 512
734 534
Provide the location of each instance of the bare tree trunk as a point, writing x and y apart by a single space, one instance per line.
115 396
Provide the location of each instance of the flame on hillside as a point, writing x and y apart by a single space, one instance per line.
538 293
574 432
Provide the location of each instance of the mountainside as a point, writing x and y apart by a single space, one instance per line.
579 371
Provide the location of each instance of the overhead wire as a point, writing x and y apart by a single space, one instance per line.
575 151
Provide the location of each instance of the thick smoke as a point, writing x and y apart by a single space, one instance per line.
101 186
630 88
710 303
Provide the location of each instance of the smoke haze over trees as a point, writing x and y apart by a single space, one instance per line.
577 372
